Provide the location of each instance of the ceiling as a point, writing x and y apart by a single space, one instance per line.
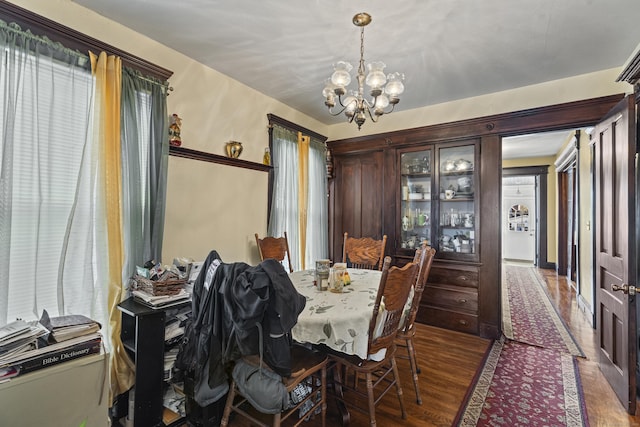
448 50
541 144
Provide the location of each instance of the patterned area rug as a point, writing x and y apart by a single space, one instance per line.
530 377
528 315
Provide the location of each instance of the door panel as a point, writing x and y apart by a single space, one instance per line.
614 144
358 198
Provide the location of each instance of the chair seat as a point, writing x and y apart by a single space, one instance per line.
406 335
305 362
307 366
361 365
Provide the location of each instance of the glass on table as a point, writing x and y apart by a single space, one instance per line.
323 267
336 283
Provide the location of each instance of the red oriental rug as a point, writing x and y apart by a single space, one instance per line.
531 377
528 316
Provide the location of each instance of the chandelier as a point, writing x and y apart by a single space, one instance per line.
384 90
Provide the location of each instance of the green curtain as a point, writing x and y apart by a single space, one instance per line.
145 142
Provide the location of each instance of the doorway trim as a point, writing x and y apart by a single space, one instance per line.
568 179
540 173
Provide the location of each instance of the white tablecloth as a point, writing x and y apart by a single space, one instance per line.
338 320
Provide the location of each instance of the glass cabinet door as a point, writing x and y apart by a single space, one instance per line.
415 204
457 213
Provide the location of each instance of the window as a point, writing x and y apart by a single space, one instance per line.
44 120
53 238
294 183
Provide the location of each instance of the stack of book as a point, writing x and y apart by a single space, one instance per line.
166 291
160 301
29 346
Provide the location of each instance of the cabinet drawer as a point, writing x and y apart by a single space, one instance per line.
467 277
448 319
451 298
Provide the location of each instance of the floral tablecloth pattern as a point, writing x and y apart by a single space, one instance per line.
338 320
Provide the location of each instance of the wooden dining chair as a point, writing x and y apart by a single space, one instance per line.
276 248
379 370
363 252
424 257
309 368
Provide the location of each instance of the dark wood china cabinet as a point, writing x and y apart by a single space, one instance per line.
441 183
424 190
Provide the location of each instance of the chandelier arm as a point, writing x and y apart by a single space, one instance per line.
344 107
392 107
371 116
338 113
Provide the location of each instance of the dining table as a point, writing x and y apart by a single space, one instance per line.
339 320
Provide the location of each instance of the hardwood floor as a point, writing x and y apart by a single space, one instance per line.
449 361
603 406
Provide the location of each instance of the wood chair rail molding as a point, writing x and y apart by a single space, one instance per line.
188 153
553 117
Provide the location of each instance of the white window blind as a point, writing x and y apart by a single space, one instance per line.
40 156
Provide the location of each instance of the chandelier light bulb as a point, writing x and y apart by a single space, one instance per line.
329 87
350 103
376 78
341 76
394 86
382 102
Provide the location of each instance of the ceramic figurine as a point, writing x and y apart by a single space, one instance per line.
175 124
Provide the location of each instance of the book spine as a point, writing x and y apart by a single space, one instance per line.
59 356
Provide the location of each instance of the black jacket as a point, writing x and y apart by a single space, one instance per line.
226 304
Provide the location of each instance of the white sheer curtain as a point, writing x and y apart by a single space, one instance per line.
50 228
317 210
284 205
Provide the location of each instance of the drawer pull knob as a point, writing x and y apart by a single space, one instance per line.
463 322
462 301
463 278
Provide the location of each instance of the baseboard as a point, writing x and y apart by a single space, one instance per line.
490 331
548 265
586 308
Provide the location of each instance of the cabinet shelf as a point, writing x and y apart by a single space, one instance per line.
451 227
458 199
188 153
457 173
417 175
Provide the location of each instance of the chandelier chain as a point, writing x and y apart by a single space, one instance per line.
361 66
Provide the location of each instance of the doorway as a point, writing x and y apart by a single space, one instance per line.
538 219
519 219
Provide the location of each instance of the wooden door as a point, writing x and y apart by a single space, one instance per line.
357 198
614 143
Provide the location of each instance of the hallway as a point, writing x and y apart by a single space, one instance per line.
603 407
